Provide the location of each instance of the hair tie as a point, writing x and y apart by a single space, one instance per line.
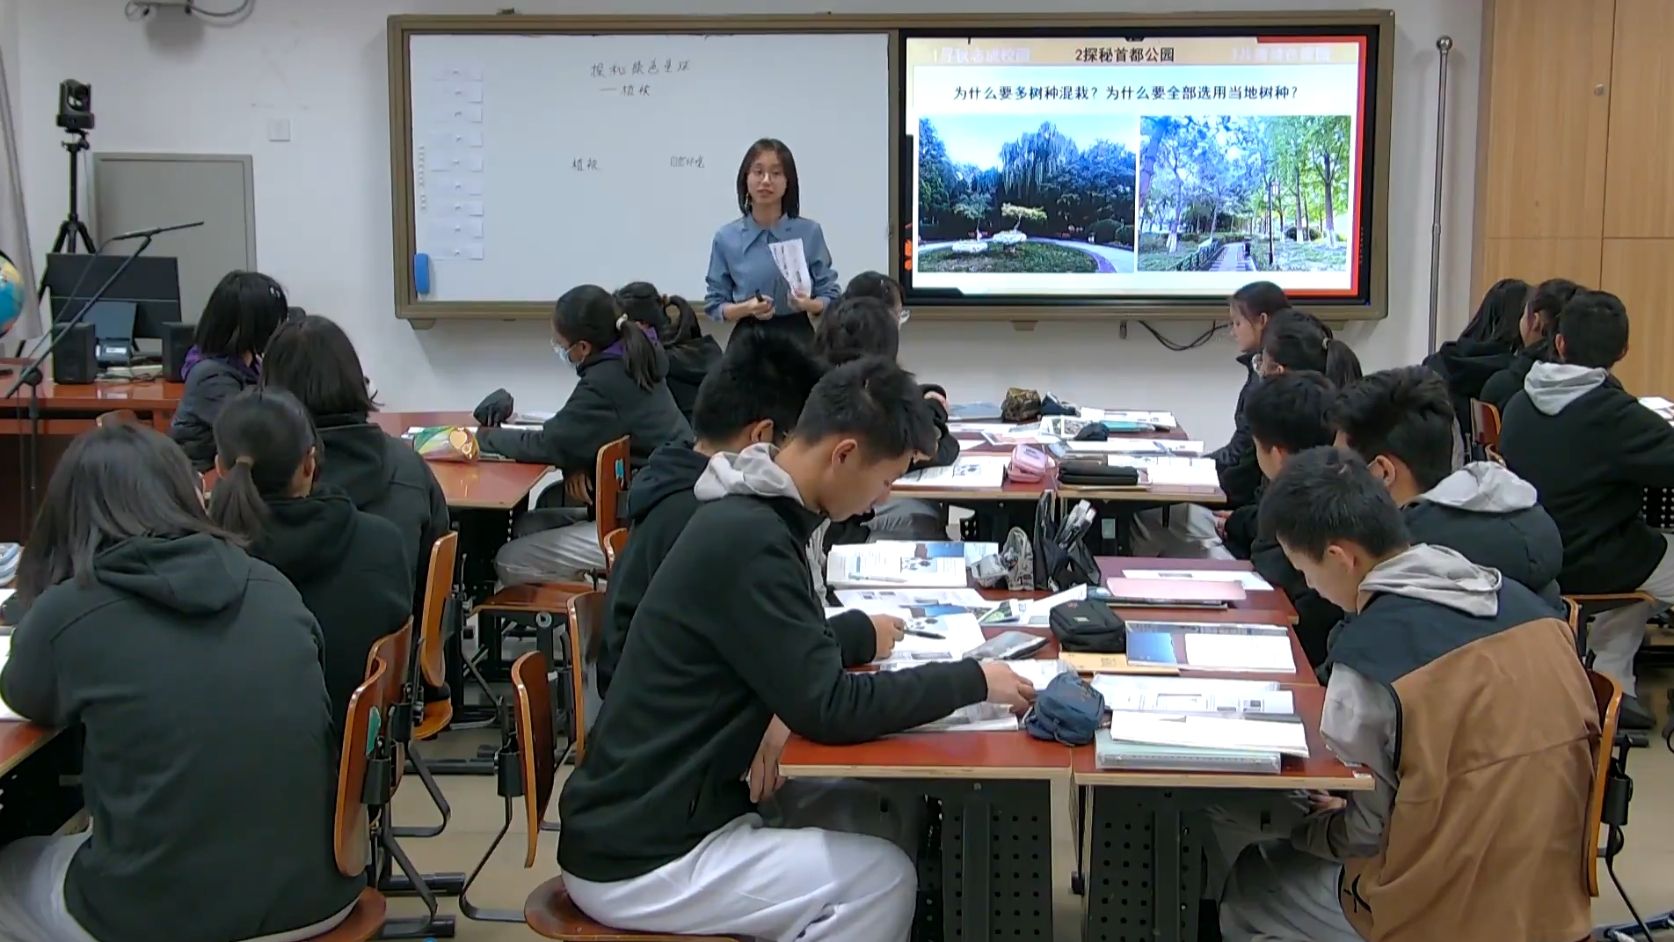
621 319
245 460
1325 342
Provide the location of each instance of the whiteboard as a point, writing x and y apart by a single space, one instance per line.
545 161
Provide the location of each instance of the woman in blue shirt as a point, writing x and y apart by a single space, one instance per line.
744 282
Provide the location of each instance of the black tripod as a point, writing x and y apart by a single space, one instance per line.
72 228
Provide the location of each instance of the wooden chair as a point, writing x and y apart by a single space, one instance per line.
612 471
351 835
430 718
585 632
1584 608
117 417
549 910
1485 424
1608 697
615 541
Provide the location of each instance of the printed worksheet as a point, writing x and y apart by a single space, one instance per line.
792 263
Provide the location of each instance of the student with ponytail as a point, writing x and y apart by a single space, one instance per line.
1537 326
350 566
1296 340
692 354
620 389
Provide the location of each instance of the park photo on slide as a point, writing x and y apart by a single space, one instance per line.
1254 193
1012 193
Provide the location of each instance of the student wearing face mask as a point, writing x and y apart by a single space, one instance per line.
620 390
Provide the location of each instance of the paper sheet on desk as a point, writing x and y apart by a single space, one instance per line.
1255 653
1209 732
1193 695
1248 578
959 633
1137 446
1171 470
792 263
977 472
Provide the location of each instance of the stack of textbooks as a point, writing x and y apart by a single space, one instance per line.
1188 725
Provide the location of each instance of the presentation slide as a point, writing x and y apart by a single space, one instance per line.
1167 168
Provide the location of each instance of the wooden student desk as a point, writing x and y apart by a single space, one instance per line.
469 485
1012 807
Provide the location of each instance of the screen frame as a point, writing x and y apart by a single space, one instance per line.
1374 28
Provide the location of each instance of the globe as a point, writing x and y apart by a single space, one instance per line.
13 294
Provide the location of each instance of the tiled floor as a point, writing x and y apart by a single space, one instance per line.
1646 866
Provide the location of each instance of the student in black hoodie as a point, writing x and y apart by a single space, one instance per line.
1401 423
1194 531
1287 414
349 565
1535 329
313 359
660 831
754 396
1484 347
620 390
226 357
1591 449
692 354
208 763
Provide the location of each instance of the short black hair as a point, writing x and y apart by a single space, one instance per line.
1404 413
1325 495
313 359
875 402
1291 411
1594 328
858 327
792 203
240 316
763 375
1548 299
875 284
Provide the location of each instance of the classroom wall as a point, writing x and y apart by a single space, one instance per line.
323 213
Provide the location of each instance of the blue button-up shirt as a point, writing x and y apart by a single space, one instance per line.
741 264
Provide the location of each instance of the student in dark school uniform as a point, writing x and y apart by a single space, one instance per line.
1485 347
1538 324
1400 422
350 566
754 396
1288 414
692 354
1458 692
209 764
620 390
226 357
1194 531
313 359
661 831
1591 449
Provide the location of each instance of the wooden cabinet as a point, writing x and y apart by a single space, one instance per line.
1639 177
1574 173
1543 175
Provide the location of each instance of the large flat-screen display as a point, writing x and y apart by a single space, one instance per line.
1085 169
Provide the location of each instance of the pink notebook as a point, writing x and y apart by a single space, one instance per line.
1172 593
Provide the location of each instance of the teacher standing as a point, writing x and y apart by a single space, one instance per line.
744 282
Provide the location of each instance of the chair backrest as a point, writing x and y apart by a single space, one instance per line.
1485 423
395 650
117 417
536 747
586 635
611 473
368 705
615 541
1607 695
438 585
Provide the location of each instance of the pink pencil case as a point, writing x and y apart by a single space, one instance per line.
1028 465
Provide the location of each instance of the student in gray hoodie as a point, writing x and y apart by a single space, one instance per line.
1472 829
1401 423
1591 449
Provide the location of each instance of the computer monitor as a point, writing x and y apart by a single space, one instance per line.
151 283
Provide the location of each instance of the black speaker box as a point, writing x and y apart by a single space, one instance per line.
177 339
73 359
